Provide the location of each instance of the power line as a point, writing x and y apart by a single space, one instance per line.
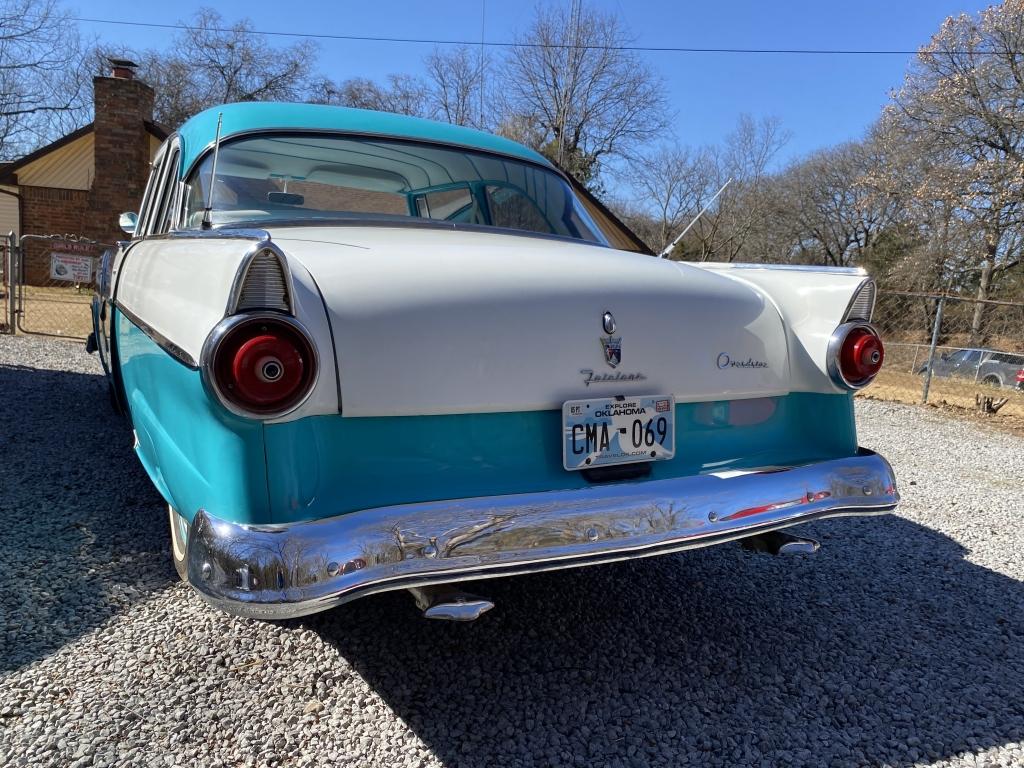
509 44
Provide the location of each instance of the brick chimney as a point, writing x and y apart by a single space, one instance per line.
122 105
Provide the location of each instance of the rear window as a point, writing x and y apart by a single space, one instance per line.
264 178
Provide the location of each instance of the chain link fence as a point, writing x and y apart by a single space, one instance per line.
951 349
6 283
56 278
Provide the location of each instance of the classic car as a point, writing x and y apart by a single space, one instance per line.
365 352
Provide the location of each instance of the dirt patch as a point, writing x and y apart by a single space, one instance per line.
53 311
954 396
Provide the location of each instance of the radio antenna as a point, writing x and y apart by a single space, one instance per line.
208 211
703 210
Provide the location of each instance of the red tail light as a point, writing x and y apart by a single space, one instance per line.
855 355
260 365
1020 375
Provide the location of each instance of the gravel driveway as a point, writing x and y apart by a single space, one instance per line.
900 643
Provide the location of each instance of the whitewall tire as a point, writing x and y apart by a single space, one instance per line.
179 542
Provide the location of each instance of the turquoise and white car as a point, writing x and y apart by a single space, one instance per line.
365 352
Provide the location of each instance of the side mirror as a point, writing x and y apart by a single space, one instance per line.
128 221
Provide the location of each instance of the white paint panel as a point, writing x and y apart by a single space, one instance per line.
433 321
180 288
812 303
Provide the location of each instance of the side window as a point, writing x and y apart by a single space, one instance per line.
511 208
152 192
164 216
972 356
454 204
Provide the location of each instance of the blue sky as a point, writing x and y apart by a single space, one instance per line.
821 100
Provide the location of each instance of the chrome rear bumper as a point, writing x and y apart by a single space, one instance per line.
283 571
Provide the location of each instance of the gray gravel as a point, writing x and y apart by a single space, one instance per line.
900 643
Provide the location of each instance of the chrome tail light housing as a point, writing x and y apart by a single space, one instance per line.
855 355
259 365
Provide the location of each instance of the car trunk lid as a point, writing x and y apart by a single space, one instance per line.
435 321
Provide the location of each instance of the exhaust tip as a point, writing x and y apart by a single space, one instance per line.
460 610
799 547
779 543
448 604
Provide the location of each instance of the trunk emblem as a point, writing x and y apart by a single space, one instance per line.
612 350
608 321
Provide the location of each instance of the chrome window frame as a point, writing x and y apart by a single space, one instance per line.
153 183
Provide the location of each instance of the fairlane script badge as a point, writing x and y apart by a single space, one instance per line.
589 377
612 350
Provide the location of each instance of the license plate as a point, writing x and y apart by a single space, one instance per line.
597 433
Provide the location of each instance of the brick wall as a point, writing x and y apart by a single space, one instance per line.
50 211
122 153
121 171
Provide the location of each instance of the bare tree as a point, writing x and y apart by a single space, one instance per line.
835 213
670 181
745 157
41 92
962 110
214 62
458 85
591 99
673 184
403 94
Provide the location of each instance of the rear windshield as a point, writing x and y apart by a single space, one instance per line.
300 177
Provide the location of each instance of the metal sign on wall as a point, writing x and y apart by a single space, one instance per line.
70 267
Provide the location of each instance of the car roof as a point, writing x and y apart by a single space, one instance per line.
198 132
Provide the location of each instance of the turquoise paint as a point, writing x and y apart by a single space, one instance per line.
197 454
199 132
200 456
327 465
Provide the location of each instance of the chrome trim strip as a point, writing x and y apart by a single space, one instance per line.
283 571
220 330
411 222
161 341
227 233
778 267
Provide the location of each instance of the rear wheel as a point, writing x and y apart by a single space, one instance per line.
179 542
992 380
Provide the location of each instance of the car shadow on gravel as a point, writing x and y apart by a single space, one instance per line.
82 536
887 647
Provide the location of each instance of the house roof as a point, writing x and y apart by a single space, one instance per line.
8 170
199 132
7 175
157 130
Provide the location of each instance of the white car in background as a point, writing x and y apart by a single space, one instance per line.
365 352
